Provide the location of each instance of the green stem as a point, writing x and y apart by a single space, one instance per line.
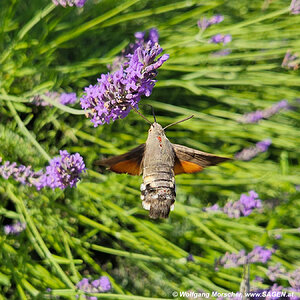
39 239
88 25
213 235
65 108
38 17
26 132
123 253
103 296
69 255
13 98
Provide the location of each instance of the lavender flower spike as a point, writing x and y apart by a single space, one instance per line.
258 254
64 3
248 153
115 94
244 206
290 61
275 271
14 228
220 38
256 116
63 171
295 7
20 173
64 98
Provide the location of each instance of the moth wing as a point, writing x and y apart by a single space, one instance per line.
189 160
130 162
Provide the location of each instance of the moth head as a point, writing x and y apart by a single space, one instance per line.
156 128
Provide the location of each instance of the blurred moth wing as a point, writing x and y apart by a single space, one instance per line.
189 160
130 162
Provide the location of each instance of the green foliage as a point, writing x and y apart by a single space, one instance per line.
100 228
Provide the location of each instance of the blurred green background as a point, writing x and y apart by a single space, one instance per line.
100 228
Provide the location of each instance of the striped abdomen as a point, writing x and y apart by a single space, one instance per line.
158 190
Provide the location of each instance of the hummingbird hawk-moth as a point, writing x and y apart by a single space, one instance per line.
159 161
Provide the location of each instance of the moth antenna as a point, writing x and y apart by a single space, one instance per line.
141 115
152 112
178 122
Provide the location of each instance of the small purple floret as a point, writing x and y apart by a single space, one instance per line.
275 272
221 38
295 7
190 258
100 285
64 3
68 98
290 61
64 98
14 228
260 254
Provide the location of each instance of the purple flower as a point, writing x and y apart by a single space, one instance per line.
275 271
258 279
243 207
248 153
295 7
64 3
290 61
100 285
294 278
68 98
248 203
205 23
220 38
190 257
115 94
64 98
264 145
14 228
258 254
215 207
255 116
216 19
22 174
232 260
63 171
